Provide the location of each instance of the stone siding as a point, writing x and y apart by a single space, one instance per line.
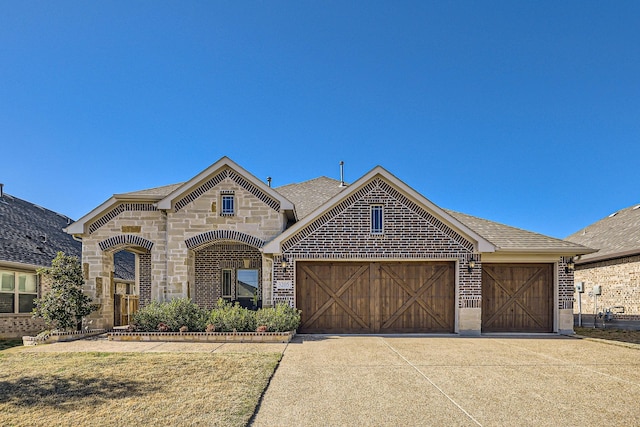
620 282
167 264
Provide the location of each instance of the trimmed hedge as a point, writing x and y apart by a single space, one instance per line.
225 317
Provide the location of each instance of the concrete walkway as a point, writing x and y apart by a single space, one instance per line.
452 381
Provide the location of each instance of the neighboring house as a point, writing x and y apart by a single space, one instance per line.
30 237
371 257
615 267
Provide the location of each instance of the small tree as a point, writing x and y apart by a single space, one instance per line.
65 304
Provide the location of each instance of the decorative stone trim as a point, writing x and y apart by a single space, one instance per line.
217 179
125 239
58 336
217 235
122 207
212 337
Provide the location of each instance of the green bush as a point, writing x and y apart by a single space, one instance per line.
227 317
148 317
280 318
174 314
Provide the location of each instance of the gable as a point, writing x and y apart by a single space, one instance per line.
408 227
224 169
412 215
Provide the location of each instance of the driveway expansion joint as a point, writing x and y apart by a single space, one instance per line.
431 382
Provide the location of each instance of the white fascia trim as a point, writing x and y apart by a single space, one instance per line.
167 202
554 251
78 226
12 265
483 245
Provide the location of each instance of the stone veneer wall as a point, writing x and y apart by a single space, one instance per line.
620 281
211 260
167 270
253 217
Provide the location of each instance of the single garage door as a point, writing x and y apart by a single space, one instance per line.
366 297
517 297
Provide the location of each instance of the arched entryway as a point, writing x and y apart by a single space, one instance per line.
229 270
127 261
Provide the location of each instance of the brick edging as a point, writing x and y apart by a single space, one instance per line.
207 337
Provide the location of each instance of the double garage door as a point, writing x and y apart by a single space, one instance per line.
376 297
419 297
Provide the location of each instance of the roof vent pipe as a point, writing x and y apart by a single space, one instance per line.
342 184
269 181
1 190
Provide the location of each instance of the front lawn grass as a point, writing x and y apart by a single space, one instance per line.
159 389
610 334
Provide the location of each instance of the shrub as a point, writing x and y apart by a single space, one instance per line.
184 312
150 316
280 318
227 317
65 304
172 315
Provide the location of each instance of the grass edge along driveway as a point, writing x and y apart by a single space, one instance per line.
160 389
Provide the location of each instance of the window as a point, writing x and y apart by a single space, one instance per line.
247 283
17 299
376 219
227 204
226 283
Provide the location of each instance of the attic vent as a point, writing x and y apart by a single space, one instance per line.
636 207
613 214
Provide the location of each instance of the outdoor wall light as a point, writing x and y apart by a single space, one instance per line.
570 266
471 264
284 264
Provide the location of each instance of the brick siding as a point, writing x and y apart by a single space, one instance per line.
210 261
620 282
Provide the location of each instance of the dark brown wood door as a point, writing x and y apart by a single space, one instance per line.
517 297
364 297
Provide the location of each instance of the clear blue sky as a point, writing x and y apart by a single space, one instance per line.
525 113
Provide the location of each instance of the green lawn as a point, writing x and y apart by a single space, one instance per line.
159 389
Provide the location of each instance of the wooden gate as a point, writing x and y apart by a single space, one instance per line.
365 297
517 297
125 306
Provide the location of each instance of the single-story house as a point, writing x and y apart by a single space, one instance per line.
30 237
615 268
374 256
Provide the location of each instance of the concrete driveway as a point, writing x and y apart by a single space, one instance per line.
452 381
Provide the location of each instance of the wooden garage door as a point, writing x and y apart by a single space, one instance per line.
517 297
363 297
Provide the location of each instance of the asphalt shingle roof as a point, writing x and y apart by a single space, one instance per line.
309 195
508 238
32 235
158 192
615 235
